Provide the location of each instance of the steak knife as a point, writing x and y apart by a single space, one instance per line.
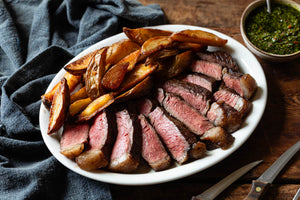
260 185
215 190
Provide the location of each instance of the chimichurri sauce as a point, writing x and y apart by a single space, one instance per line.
276 32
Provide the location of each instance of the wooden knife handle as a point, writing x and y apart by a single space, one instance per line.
258 189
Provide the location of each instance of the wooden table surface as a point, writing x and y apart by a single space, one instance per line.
278 130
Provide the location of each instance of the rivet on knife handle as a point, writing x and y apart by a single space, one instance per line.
260 185
257 190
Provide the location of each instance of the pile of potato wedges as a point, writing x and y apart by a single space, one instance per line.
125 70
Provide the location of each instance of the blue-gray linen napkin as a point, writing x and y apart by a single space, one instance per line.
37 37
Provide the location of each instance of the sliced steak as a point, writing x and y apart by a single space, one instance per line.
101 139
217 137
153 150
127 148
221 114
145 106
210 69
197 96
74 138
206 82
234 100
188 115
220 57
180 142
244 84
159 95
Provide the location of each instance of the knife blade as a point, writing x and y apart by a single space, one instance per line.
216 189
260 186
297 195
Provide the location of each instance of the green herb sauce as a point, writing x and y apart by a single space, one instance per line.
276 32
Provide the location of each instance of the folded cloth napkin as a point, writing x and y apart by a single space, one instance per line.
37 37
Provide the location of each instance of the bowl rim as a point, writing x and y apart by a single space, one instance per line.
253 6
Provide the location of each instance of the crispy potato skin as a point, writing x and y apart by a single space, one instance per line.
119 50
114 76
78 67
59 107
198 36
155 44
140 35
95 73
79 106
138 90
80 94
95 107
72 81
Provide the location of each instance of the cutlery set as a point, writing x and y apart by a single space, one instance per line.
259 186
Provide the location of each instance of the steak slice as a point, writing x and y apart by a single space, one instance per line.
234 100
188 115
206 82
210 69
217 137
220 57
221 114
127 148
180 142
159 95
145 106
243 84
101 139
153 150
198 97
74 138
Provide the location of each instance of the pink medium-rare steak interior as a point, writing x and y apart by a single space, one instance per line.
153 150
98 132
170 134
195 95
201 80
124 138
74 134
197 123
208 68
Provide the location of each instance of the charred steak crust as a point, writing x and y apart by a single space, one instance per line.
206 82
221 57
221 114
197 96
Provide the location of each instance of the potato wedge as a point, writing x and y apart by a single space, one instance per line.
80 94
198 36
132 59
114 76
181 63
95 107
161 55
78 67
95 73
155 44
175 66
72 81
140 35
119 50
140 72
196 47
59 107
140 89
79 106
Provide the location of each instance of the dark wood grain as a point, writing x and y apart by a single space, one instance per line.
278 130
